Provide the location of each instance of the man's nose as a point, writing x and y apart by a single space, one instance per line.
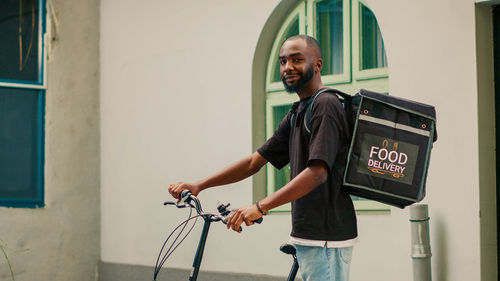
288 66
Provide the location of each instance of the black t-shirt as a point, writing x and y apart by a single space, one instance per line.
327 212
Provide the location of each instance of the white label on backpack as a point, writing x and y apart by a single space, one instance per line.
387 158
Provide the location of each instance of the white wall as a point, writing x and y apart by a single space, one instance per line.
176 105
431 51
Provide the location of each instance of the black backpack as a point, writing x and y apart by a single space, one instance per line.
389 151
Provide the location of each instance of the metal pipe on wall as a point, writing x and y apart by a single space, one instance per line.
420 241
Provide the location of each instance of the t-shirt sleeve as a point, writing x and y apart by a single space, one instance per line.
275 149
328 128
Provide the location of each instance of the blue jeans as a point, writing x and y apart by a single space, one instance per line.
324 264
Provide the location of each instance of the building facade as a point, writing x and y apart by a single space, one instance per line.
141 94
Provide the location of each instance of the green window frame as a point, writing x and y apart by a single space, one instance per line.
22 103
359 29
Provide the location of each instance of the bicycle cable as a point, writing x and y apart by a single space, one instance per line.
165 256
171 249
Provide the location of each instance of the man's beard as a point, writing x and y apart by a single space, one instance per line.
304 78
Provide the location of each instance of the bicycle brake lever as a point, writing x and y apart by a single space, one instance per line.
183 205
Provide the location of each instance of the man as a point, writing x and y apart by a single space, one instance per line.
323 219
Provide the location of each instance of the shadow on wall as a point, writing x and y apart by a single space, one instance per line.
440 265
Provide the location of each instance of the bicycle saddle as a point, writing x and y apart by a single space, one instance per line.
287 248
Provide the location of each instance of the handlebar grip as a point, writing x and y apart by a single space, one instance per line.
259 220
185 193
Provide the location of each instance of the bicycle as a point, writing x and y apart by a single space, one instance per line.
191 201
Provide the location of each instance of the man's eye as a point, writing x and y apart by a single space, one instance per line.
282 62
297 59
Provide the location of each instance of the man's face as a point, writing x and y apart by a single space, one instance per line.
296 65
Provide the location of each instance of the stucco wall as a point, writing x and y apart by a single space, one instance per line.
61 241
176 105
431 51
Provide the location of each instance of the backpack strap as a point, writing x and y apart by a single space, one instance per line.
307 118
293 110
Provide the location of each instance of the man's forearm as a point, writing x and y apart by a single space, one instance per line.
303 183
234 172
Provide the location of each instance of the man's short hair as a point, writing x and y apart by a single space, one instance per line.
310 41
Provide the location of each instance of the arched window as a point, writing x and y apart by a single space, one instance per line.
353 58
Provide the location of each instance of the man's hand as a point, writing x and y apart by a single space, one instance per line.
176 189
245 214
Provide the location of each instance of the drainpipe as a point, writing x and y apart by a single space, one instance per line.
421 247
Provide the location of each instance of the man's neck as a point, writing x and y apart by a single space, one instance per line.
309 90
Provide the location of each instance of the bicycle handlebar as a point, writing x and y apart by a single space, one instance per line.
189 200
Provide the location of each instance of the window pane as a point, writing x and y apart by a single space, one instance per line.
372 44
20 144
282 176
292 29
329 32
19 40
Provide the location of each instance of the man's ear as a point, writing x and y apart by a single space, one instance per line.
318 65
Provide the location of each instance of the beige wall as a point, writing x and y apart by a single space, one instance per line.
176 105
61 241
431 51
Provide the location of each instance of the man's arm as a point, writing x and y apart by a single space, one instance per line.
231 174
310 178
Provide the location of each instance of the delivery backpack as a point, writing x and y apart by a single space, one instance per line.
389 151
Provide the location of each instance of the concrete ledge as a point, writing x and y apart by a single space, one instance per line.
125 272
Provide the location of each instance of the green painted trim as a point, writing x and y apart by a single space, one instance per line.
358 73
259 66
346 76
380 85
371 74
298 13
273 100
488 143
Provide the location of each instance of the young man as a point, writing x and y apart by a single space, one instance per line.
323 219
